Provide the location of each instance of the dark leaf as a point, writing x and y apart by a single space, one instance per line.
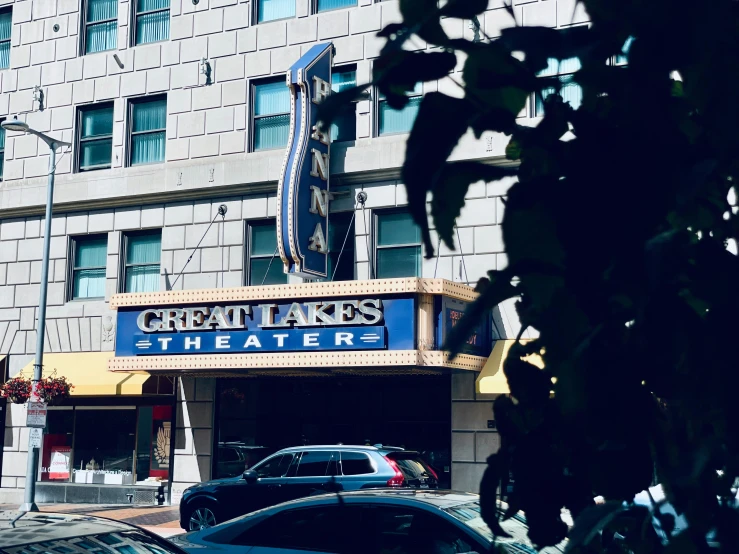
489 485
424 158
513 149
333 106
450 188
493 119
541 43
493 291
392 29
464 9
400 71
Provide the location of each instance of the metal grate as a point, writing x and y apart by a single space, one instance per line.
145 497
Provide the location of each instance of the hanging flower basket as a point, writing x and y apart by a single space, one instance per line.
16 389
53 390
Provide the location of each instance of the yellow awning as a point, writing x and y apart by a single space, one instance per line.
491 379
88 372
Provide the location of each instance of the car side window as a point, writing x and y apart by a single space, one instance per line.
308 529
228 455
356 463
317 463
403 531
274 467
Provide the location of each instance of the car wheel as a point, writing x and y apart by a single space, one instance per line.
201 518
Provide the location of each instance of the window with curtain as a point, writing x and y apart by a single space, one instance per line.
269 10
341 234
393 122
2 152
6 24
143 252
95 137
101 26
152 21
265 265
325 5
88 266
148 130
271 115
398 248
344 126
567 88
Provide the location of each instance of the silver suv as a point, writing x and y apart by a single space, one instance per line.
303 471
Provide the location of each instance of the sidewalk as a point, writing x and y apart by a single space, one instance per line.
161 520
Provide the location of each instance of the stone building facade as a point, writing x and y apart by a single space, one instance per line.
207 71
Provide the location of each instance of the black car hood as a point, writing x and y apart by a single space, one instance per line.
215 483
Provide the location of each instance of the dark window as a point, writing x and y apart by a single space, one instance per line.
100 26
95 137
151 21
412 468
142 255
404 531
398 246
270 115
341 264
344 127
561 71
147 130
356 463
264 265
311 529
315 463
275 467
89 258
228 455
6 23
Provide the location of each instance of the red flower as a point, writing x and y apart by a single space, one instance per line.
16 388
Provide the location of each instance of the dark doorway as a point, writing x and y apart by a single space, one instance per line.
412 412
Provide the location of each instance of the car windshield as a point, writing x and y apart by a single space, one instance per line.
516 527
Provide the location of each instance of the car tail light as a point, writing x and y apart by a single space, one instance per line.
432 472
398 480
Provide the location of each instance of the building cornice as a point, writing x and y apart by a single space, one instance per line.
375 287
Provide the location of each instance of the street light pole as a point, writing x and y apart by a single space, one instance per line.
29 503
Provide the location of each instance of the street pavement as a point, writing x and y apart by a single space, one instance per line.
161 520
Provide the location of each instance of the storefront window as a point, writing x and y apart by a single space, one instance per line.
107 446
57 446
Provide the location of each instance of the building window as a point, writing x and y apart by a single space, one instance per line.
326 5
2 152
344 126
148 130
264 264
398 251
569 90
100 26
6 24
341 234
623 57
271 115
89 256
95 137
151 21
392 121
142 253
269 10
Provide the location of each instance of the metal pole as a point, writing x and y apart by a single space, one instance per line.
29 501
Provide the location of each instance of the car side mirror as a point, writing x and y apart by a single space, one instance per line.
250 476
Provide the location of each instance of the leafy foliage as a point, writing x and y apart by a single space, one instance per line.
620 239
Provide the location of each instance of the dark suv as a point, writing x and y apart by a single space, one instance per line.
303 471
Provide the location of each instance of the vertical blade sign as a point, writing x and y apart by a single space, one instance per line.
303 192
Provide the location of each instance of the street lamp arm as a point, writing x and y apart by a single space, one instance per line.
22 127
52 142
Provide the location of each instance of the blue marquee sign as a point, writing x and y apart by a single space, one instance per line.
269 326
303 189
